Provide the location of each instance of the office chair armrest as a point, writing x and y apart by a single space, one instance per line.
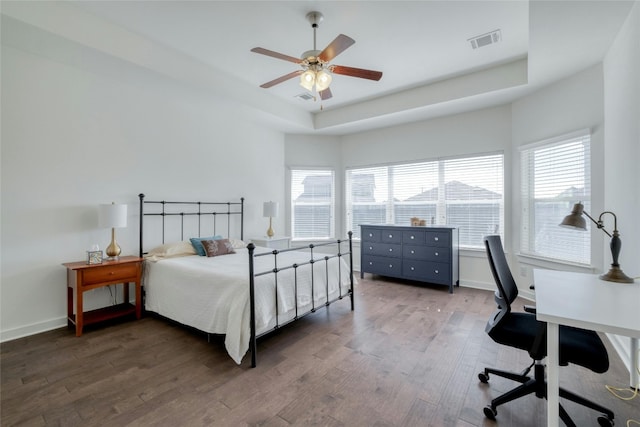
530 309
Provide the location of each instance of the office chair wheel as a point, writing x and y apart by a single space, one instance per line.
483 377
490 413
605 421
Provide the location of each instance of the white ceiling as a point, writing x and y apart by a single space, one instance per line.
421 47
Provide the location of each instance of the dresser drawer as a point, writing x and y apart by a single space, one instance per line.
382 265
439 239
110 273
391 236
371 235
413 237
382 249
426 271
426 253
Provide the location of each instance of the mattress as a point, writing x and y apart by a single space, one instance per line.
212 293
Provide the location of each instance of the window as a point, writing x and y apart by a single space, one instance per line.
312 204
463 192
555 175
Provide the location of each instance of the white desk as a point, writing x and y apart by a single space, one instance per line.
584 301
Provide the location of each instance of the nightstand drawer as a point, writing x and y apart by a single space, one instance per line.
110 273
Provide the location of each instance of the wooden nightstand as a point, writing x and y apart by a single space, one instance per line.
275 242
83 277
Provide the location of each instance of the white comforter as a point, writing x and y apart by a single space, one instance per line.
212 294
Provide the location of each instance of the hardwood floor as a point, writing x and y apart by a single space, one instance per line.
408 355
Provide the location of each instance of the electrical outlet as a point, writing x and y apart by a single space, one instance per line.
523 271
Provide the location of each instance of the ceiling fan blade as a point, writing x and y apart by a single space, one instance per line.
273 54
325 94
281 79
356 72
336 47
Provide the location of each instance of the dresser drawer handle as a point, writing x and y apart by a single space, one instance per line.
370 263
370 234
412 268
436 271
412 237
370 248
390 265
436 253
435 238
391 236
412 251
390 249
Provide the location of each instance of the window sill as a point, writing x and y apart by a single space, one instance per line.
554 264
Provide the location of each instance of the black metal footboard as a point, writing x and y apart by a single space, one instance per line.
315 261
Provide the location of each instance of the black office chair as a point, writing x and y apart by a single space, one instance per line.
523 331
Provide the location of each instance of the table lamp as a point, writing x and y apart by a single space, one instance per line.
576 220
112 216
270 209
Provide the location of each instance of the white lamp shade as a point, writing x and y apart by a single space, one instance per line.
112 216
308 79
323 80
270 209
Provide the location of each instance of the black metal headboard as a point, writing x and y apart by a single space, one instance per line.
192 209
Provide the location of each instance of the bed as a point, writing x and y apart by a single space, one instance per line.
244 294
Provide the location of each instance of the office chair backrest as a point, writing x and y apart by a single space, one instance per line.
507 287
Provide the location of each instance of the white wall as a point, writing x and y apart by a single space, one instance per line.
622 148
79 129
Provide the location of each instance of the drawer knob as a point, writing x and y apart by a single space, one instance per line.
370 234
412 251
390 236
412 268
390 249
370 263
436 271
435 238
370 248
412 237
390 265
436 253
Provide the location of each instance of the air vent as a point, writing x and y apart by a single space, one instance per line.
306 96
485 39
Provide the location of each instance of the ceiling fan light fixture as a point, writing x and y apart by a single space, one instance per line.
308 79
323 80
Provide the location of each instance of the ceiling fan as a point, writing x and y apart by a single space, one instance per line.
316 70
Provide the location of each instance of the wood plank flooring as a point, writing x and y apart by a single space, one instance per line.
408 355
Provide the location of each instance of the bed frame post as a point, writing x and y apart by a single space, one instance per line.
252 321
241 218
351 267
141 196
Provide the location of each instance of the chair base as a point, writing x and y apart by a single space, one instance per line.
538 386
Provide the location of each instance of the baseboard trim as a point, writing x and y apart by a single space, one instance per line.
34 328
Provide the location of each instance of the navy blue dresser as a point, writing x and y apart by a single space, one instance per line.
425 254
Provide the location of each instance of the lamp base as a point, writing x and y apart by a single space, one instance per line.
615 274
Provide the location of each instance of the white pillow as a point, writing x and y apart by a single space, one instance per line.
237 243
171 250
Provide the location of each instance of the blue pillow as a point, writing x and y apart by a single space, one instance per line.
197 243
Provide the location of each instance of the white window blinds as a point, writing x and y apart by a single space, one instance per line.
555 175
312 204
463 192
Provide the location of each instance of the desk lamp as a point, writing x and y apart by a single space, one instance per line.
113 216
576 220
270 210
